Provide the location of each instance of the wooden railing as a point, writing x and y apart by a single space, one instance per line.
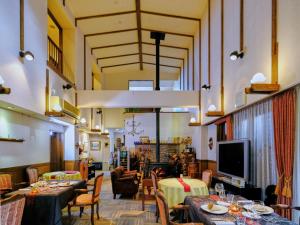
55 57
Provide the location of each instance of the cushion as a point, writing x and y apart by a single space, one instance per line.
85 199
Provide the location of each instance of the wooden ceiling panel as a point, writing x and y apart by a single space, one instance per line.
116 51
169 40
106 24
165 51
95 7
112 39
162 69
191 8
119 60
162 23
165 61
120 69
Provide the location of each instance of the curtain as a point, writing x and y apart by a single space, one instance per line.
256 124
284 106
296 180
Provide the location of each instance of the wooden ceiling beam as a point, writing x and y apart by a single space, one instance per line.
176 67
124 55
111 46
132 63
170 15
110 32
170 33
102 15
139 31
167 46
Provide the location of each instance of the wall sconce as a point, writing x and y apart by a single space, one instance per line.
82 120
206 87
67 86
57 108
193 120
3 90
97 127
27 55
212 108
258 78
235 55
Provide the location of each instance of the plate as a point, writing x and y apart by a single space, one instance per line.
217 209
260 209
52 185
251 215
64 184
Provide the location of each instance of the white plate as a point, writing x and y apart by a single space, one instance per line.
64 184
266 210
251 215
52 185
219 209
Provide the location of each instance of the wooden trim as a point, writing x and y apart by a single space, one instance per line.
222 56
76 99
262 88
92 81
21 25
47 91
11 139
209 43
102 15
92 118
149 63
195 124
139 31
165 56
117 56
188 70
193 80
200 68
241 25
125 64
116 45
274 43
170 33
110 32
84 63
214 113
59 28
170 15
167 46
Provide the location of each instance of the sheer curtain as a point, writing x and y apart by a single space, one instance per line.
256 123
296 181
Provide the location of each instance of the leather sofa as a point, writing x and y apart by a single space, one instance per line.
124 183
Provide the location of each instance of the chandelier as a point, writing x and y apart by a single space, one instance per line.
133 127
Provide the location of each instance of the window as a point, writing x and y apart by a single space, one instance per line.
140 85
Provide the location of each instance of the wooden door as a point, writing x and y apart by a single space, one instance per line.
57 152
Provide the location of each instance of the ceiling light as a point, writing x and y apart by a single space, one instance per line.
212 108
235 55
193 120
97 127
67 86
27 55
206 87
82 120
3 90
258 78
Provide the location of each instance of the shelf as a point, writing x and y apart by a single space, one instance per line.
12 140
195 124
262 88
54 114
214 113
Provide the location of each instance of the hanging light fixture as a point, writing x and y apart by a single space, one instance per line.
235 55
134 126
3 90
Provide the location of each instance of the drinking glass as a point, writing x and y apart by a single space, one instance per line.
219 187
240 220
230 198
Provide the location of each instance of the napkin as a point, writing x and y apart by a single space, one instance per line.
223 222
24 189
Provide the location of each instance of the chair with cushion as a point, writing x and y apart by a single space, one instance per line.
33 175
164 211
121 184
126 172
207 177
12 210
84 199
5 184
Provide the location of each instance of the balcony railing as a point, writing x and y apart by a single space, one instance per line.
55 62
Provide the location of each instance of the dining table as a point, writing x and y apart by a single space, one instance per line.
43 205
62 175
176 189
199 215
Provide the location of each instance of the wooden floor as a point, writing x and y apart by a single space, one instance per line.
110 209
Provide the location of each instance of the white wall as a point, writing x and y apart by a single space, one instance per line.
36 147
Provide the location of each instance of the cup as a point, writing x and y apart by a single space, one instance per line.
240 220
230 198
222 195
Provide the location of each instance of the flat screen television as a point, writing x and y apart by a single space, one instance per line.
233 158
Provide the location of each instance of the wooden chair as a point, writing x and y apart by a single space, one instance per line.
5 183
207 177
155 189
147 184
83 199
164 211
33 174
12 210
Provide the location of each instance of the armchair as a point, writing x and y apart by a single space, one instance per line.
128 184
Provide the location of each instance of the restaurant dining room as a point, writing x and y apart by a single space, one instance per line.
148 112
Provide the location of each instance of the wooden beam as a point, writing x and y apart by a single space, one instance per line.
84 63
170 33
200 68
209 44
170 15
21 25
165 56
102 15
241 25
124 55
110 32
188 70
176 67
262 88
47 92
274 43
111 46
125 64
222 56
139 31
193 55
167 46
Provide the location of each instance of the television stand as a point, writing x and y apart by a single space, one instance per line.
249 191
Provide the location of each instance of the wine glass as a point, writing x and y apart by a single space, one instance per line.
219 187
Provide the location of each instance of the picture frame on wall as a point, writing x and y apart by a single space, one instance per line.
95 145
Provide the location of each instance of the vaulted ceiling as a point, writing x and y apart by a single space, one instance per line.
118 31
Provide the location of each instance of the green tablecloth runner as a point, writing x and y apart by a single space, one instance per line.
174 191
61 175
